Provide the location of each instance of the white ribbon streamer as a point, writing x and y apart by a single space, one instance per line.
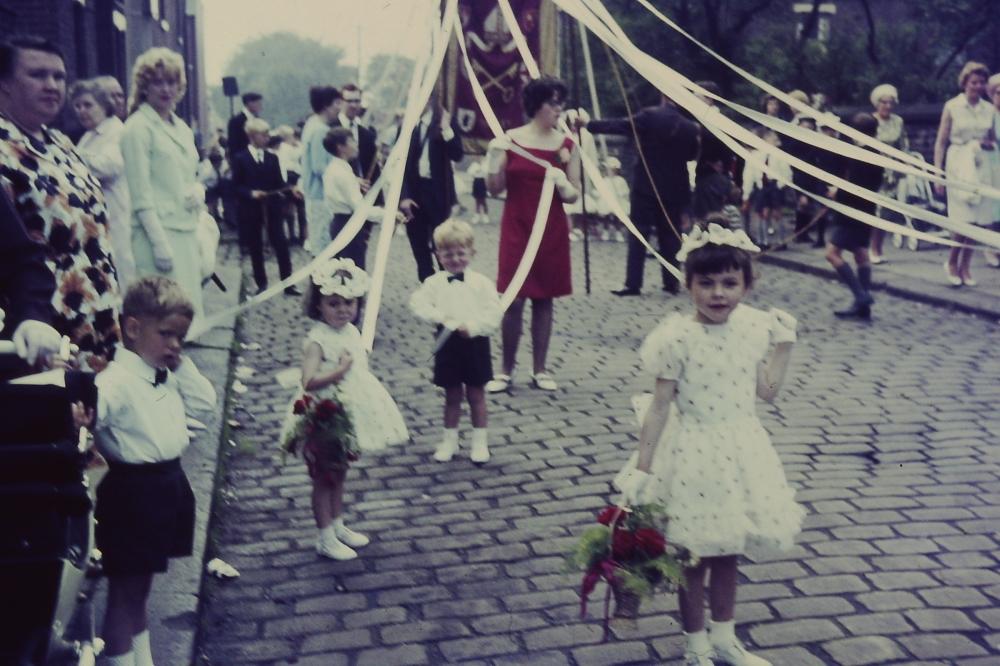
519 40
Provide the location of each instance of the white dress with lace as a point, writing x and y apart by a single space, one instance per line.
374 414
714 467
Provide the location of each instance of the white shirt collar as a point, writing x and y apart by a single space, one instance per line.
135 364
345 121
248 113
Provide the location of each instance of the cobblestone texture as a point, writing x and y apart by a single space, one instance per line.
888 431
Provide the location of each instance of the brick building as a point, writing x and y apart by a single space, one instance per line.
106 36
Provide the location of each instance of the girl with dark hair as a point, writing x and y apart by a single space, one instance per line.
549 278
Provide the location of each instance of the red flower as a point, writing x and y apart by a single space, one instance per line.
650 542
606 515
326 408
299 407
622 545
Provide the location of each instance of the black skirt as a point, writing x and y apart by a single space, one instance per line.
478 188
849 234
145 515
463 360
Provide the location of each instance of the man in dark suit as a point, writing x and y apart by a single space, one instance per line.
667 141
429 182
366 164
260 185
237 141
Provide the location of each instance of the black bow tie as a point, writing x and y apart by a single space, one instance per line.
456 276
160 377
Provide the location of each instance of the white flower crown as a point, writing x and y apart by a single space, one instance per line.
341 277
716 234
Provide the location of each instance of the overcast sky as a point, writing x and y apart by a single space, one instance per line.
385 26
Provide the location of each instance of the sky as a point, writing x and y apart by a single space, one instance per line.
384 26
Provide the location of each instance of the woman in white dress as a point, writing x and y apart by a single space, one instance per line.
963 134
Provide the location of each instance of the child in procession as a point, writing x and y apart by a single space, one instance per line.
703 452
466 309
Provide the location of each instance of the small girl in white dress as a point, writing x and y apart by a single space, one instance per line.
335 364
702 450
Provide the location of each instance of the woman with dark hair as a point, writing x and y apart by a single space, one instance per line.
964 131
549 277
57 198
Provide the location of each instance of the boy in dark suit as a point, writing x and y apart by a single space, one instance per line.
260 185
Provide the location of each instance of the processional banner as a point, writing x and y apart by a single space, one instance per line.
497 63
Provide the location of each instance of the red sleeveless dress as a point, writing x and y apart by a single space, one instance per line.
550 275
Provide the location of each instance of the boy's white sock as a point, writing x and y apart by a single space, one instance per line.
127 659
480 445
142 650
448 446
723 633
697 643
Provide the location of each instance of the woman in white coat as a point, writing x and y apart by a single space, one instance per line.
100 148
161 164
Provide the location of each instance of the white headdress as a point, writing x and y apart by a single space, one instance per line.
716 234
341 277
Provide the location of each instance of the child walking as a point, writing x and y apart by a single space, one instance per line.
335 364
702 450
464 303
145 508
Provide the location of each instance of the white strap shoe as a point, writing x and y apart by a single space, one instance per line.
735 654
335 549
695 659
351 538
498 384
445 451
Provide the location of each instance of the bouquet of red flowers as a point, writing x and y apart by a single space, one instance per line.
324 431
628 550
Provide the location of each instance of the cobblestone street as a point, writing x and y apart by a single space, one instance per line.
888 431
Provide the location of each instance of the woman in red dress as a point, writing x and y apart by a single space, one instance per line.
550 273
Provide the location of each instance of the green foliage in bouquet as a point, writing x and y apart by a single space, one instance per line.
324 427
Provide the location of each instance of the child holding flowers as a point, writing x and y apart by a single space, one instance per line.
345 409
713 465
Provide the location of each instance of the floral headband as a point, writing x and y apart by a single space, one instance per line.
715 234
341 277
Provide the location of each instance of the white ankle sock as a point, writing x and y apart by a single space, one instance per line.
338 523
723 633
449 436
328 534
480 436
127 659
142 650
697 642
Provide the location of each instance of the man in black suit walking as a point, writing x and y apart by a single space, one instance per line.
429 182
260 186
667 141
236 135
366 164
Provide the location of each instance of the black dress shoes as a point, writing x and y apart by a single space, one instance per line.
625 291
856 311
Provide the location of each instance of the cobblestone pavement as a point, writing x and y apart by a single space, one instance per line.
889 432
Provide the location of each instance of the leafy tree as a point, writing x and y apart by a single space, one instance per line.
282 67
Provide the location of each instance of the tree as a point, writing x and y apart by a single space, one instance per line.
282 67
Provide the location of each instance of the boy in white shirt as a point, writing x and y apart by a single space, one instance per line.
466 308
145 506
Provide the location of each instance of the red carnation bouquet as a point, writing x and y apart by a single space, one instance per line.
628 550
324 431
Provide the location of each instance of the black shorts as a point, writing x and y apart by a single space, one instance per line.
463 361
145 515
849 234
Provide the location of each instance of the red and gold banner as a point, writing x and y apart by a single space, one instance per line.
497 63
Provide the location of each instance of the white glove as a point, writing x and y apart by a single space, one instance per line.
633 484
566 190
498 147
163 254
34 338
195 197
783 326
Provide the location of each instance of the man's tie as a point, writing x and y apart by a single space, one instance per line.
160 377
460 277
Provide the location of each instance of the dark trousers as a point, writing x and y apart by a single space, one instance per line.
648 218
357 249
252 223
420 230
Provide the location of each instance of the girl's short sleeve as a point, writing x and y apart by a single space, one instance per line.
315 335
663 351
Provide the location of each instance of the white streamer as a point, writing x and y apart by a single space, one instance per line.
519 40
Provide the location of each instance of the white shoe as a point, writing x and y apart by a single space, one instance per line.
876 258
335 549
544 381
445 451
735 654
695 659
992 259
351 538
498 384
480 452
952 279
969 282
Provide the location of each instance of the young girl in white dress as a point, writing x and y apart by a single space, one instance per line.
335 364
702 450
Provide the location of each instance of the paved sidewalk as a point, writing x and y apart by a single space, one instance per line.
888 430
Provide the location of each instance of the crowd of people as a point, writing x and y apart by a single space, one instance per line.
102 244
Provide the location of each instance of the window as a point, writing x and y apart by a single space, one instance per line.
820 30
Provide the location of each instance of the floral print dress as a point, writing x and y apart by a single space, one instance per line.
62 206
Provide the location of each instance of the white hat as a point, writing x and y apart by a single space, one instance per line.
341 277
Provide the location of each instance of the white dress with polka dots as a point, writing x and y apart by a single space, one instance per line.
714 467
